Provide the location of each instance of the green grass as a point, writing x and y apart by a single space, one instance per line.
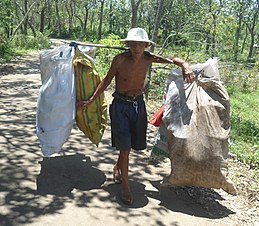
244 134
22 44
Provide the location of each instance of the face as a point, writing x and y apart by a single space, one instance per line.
137 48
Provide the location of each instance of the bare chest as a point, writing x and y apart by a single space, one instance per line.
133 71
131 76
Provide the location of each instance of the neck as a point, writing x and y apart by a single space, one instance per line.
136 57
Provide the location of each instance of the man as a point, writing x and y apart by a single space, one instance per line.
127 111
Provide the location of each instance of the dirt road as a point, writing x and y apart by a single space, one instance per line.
76 188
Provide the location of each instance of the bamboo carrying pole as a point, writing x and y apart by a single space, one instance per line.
109 47
95 45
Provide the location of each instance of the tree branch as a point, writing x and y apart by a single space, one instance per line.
26 14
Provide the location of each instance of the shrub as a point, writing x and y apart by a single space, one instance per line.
27 42
104 56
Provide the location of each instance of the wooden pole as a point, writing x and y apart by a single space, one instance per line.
96 45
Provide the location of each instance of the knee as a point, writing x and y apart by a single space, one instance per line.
124 154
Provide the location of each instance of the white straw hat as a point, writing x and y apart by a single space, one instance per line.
137 34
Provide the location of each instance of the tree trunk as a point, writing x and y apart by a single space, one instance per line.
251 48
32 29
69 17
214 24
101 21
134 7
91 21
208 42
237 37
25 16
49 12
85 21
58 17
244 41
252 34
157 22
42 17
211 38
81 23
111 17
25 27
154 38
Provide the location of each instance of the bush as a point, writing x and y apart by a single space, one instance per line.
6 52
22 43
104 56
27 42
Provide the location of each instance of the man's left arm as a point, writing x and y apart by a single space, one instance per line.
186 69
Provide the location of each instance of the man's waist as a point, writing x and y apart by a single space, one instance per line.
128 98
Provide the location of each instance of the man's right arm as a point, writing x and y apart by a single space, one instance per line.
102 85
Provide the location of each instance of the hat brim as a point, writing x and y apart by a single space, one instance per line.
138 40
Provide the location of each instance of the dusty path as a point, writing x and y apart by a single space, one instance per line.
76 189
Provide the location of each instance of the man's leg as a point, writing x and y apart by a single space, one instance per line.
123 166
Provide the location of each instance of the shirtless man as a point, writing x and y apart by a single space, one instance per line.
127 111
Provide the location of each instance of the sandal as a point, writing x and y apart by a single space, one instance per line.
126 197
117 176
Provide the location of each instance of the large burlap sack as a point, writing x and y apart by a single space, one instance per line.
197 120
91 120
56 101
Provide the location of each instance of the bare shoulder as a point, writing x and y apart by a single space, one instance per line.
119 58
151 56
156 58
117 61
122 56
148 55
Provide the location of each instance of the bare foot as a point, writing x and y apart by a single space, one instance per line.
126 196
117 175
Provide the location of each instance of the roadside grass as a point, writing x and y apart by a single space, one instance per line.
244 136
22 44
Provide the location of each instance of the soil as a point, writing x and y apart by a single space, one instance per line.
41 191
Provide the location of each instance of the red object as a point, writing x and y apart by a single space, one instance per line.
156 119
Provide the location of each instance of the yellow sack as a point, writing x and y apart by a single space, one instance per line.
91 120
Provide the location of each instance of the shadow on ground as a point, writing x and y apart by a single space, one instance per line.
194 201
60 175
31 187
200 202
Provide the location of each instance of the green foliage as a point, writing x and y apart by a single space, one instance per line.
22 43
104 56
157 84
6 13
203 27
244 76
29 42
244 124
6 52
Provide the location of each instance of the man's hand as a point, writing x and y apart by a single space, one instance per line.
84 103
186 69
187 73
